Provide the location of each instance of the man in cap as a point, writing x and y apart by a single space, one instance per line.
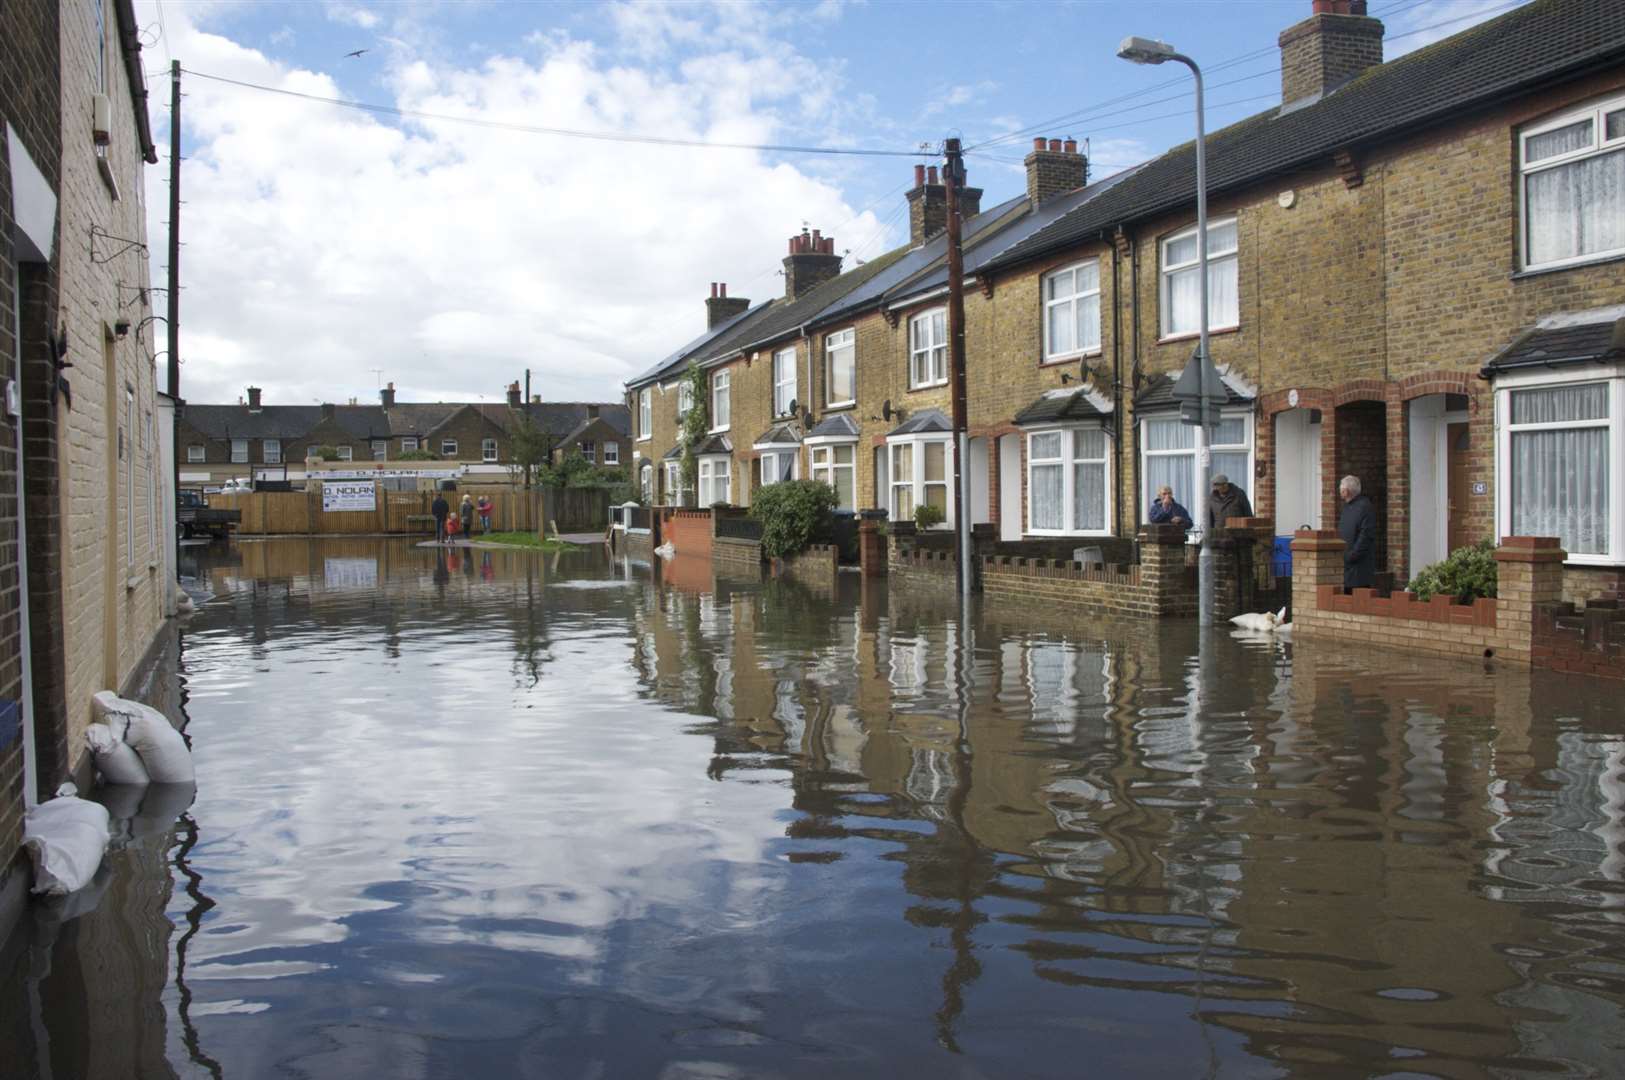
1226 501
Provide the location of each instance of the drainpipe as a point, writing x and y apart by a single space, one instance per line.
30 739
1134 352
1117 391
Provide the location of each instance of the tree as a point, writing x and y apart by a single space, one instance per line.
529 447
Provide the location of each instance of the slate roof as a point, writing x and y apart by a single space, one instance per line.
236 422
714 444
715 335
419 419
926 420
1157 394
780 435
1061 406
1438 84
836 426
563 419
1586 337
790 315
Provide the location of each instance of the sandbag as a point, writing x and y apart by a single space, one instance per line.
1255 620
161 747
115 759
66 839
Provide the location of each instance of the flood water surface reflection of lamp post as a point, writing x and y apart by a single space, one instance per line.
1146 51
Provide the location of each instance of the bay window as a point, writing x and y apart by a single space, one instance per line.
1067 481
645 413
779 461
1168 454
714 479
1182 280
784 381
1072 311
1560 450
840 369
721 389
836 465
918 470
1573 177
928 349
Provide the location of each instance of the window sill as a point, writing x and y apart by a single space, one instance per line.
645 438
840 406
1542 271
1070 358
1195 334
928 386
718 431
133 582
1051 534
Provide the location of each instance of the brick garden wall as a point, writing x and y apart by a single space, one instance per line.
736 556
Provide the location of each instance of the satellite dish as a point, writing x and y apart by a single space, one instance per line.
885 410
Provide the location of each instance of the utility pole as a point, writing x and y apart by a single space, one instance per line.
954 167
174 320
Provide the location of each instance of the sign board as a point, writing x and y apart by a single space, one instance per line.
350 573
349 495
385 474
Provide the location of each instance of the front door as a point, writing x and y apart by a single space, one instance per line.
1010 487
1297 471
1456 465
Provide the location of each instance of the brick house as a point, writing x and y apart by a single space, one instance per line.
1406 257
251 439
84 573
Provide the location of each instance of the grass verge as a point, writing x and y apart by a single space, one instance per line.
525 540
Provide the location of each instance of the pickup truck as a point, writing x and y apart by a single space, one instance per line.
193 516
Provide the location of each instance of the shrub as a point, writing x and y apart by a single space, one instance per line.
927 516
1467 574
793 513
327 453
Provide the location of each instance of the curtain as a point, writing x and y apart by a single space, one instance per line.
1560 487
1046 496
1577 209
1223 303
1232 463
1089 495
1183 298
1560 404
1178 471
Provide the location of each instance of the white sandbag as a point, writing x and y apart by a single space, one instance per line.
1284 630
1255 620
115 759
66 838
666 551
161 747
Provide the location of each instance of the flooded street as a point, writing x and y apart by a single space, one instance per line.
497 814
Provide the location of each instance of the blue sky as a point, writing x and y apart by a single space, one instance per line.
327 245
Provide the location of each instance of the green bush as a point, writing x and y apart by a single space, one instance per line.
327 453
927 516
1467 574
793 513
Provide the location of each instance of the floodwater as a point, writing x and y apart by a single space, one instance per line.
502 814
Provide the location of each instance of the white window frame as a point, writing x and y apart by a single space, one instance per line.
784 381
826 469
346 452
646 481
721 391
685 398
130 433
448 448
1597 112
589 450
239 451
1166 271
840 340
408 443
674 483
715 470
380 449
928 363
196 453
776 451
1198 511
612 453
646 412
271 451
1071 302
916 481
1614 376
1067 461
488 450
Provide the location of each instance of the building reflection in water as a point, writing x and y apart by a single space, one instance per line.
1000 835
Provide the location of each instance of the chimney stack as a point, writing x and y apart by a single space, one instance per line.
592 412
811 262
514 396
327 410
721 307
1054 168
1333 45
928 205
386 396
253 399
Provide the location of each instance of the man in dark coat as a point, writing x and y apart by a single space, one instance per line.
1358 527
440 509
1225 502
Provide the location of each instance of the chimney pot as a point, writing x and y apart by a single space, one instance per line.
713 288
253 399
931 175
1038 142
1055 146
919 176
723 286
817 236
1070 146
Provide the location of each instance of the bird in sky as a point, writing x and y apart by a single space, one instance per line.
356 54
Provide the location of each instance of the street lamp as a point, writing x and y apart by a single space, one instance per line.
1200 382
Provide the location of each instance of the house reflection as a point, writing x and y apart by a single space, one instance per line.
1303 847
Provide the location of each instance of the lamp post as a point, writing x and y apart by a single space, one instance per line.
1199 381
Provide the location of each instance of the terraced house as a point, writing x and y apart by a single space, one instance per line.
1417 276
255 440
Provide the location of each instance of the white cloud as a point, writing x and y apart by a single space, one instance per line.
351 15
1425 24
323 242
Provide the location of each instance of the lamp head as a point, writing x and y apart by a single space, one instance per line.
1145 50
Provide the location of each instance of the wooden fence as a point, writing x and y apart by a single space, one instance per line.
299 513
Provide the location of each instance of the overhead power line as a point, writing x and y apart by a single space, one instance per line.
570 133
